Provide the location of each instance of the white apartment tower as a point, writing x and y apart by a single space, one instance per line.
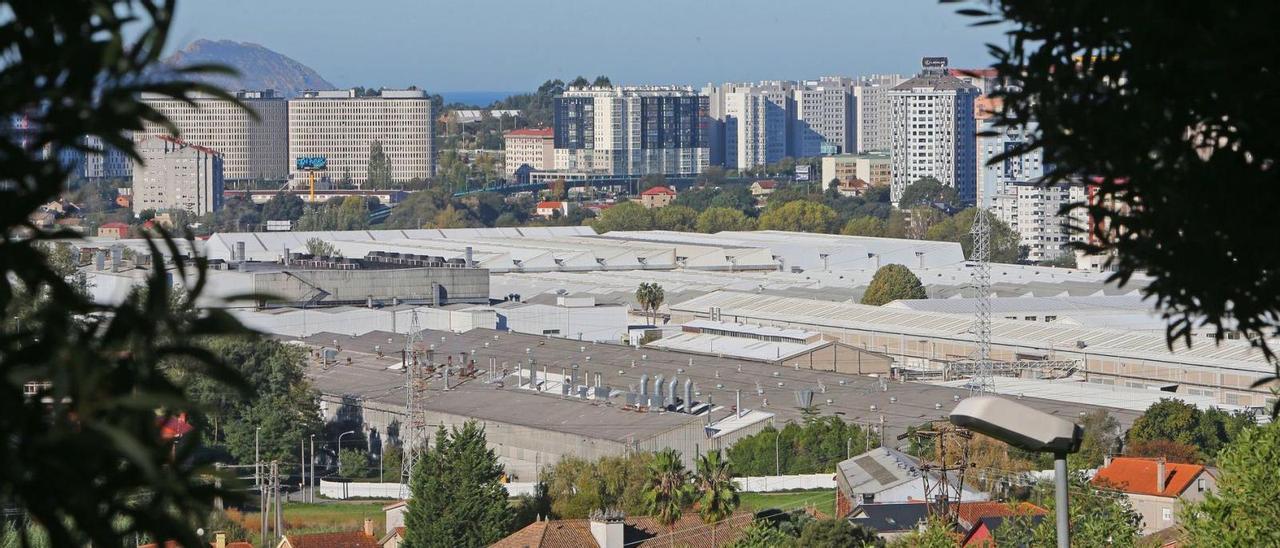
250 149
933 133
632 130
757 121
825 121
873 131
1033 211
992 178
341 127
175 174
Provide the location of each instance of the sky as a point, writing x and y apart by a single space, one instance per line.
515 45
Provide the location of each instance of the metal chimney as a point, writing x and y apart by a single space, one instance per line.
644 386
671 392
533 377
688 396
117 255
446 378
239 256
469 262
544 375
737 402
599 379
286 256
100 260
519 375
657 389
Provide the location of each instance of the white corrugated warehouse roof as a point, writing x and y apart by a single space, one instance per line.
1079 391
734 347
1229 354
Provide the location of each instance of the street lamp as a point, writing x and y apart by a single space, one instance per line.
340 448
1028 429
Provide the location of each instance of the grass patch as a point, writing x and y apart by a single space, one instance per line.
321 517
822 499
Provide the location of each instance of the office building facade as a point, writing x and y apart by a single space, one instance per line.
251 149
631 131
933 131
175 174
342 127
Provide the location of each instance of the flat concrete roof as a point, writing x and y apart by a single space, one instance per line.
901 404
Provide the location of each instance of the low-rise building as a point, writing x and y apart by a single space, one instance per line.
529 147
874 168
113 230
549 209
763 188
658 196
884 475
1156 489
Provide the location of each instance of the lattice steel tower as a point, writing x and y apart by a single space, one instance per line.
414 431
981 258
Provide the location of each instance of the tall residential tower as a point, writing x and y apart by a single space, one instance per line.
933 131
251 149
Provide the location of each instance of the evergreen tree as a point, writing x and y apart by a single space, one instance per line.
893 282
458 499
379 171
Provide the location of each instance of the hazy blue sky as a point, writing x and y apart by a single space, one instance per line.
514 45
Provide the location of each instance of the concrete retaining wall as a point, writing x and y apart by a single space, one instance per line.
350 490
767 484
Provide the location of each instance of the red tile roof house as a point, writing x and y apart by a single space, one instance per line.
548 209
613 530
980 519
763 188
658 196
115 230
1156 488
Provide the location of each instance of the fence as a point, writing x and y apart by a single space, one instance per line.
351 490
766 484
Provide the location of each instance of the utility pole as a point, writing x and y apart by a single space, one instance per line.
311 485
257 459
302 475
275 475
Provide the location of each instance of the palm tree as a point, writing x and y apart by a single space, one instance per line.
668 490
650 297
717 494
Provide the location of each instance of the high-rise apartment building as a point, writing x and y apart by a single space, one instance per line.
825 121
342 126
529 147
632 130
754 122
933 133
872 127
1033 211
992 178
251 149
175 174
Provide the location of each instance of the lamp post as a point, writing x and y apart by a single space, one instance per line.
1029 429
340 448
311 485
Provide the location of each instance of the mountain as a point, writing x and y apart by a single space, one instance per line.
259 67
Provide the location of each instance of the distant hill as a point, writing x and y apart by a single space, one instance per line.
259 67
